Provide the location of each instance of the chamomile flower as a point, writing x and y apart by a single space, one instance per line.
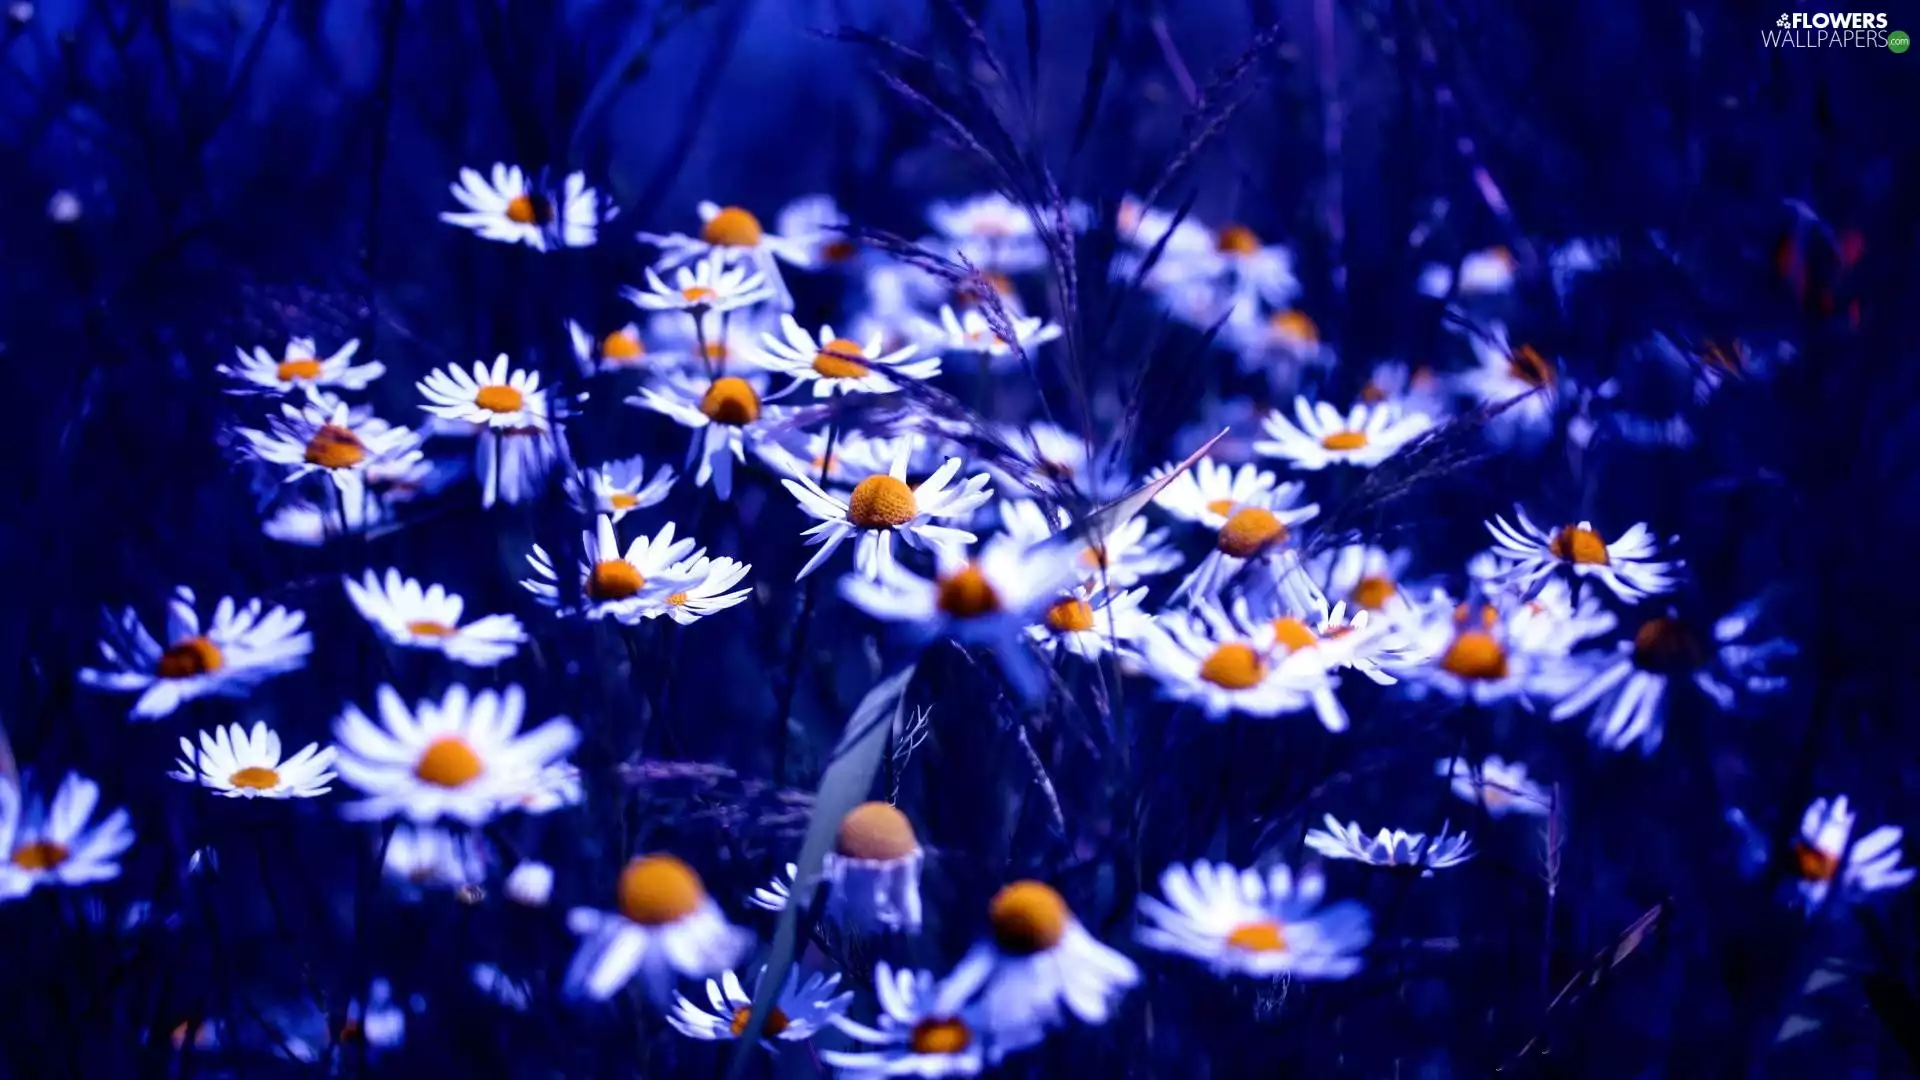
1049 459
991 231
529 884
710 588
238 763
708 285
988 599
1391 847
1826 853
1363 576
1482 273
620 349
970 332
1121 558
1494 654
429 618
325 437
726 416
1332 634
836 365
1630 690
1227 666
736 232
464 757
511 207
1505 373
59 844
1282 343
432 857
1366 436
665 926
1257 531
1210 493
241 646
873 871
777 893
804 1007
883 506
1626 566
618 488
856 455
300 367
494 398
1036 958
927 1028
1500 786
1092 621
627 586
1249 923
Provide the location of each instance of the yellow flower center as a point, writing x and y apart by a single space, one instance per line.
530 210
940 1035
1263 936
622 347
39 855
967 594
1027 918
881 502
1223 507
1234 666
1345 440
1526 364
257 777
500 399
334 447
448 762
1071 615
1293 325
429 628
776 1023
1236 240
1249 532
1577 545
876 831
659 889
732 227
1372 592
698 294
303 368
839 359
613 579
731 401
1666 646
1474 654
194 656
1814 864
715 351
1294 635
623 500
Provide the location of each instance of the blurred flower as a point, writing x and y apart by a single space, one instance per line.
627 587
513 208
971 333
817 222
1252 515
882 506
239 648
873 871
322 437
1823 855
736 232
777 892
1232 666
1035 958
708 591
239 764
856 455
463 758
1048 457
61 844
803 1008
1362 575
1626 566
64 207
1482 273
1366 436
835 364
1246 922
530 884
513 993
429 856
620 349
618 488
926 1029
1121 558
429 618
1391 847
710 285
990 231
1495 654
1505 373
666 926
1499 786
1231 256
301 367
1092 620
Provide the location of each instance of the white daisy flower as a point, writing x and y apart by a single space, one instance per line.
708 285
1366 436
711 588
551 788
1305 624
883 506
513 208
834 364
818 221
856 455
432 857
1120 559
241 764
529 884
1092 621
1823 855
873 871
620 349
926 1029
1499 786
1506 372
240 647
1256 532
1228 667
300 367
618 488
60 844
1211 492
991 231
627 586
1249 923
463 758
804 1007
1281 343
495 398
777 893
1049 458
666 926
1363 576
1629 691
969 332
308 524
1036 958
429 618
1482 273
316 436
712 344
1233 256
736 232
1391 847
1626 566
989 599
726 418
1498 655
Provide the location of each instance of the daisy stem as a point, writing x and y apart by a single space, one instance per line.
783 715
